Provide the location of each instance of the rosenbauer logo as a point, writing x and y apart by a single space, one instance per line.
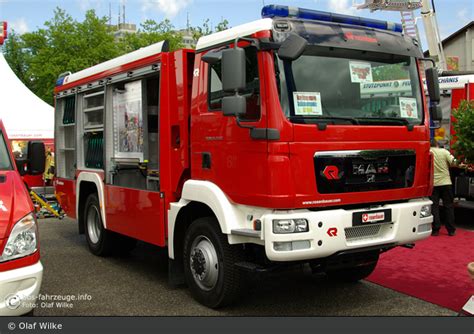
332 232
331 173
373 217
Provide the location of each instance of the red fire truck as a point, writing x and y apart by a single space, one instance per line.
255 151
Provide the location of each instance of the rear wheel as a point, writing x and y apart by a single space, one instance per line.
355 273
99 240
209 264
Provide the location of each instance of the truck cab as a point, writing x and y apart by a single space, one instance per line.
21 271
292 155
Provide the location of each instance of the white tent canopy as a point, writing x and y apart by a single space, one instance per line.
23 113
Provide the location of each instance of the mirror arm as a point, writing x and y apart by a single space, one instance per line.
266 45
253 41
431 60
240 125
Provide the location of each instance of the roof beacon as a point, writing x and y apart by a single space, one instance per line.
272 11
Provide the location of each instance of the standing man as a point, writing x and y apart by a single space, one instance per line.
442 188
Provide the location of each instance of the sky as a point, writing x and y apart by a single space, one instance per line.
29 15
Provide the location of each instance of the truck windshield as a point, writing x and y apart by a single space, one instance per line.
5 163
341 86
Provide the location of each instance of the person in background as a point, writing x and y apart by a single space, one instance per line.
49 167
442 189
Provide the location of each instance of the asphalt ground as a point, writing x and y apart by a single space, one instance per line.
136 285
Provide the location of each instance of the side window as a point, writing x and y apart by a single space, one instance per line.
251 92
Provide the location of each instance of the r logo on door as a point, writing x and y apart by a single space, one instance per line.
331 172
332 232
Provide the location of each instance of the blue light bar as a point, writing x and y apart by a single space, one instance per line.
60 81
271 11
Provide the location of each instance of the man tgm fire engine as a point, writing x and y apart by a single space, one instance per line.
255 151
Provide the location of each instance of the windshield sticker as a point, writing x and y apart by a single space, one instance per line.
307 103
408 108
360 72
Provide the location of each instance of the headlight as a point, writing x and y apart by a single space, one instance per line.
282 226
425 211
22 240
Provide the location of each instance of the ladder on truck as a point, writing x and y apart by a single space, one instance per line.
406 9
409 24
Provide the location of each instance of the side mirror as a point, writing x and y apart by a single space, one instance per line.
36 157
234 105
436 113
233 70
432 84
292 48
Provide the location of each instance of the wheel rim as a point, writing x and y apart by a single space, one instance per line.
93 224
204 263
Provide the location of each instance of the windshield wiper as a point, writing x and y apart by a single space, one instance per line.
322 121
383 120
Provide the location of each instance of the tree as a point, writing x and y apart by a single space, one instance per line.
206 28
65 45
152 32
17 57
223 25
203 30
464 128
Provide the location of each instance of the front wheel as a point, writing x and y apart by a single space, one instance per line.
99 240
209 264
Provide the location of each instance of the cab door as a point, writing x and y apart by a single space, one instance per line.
222 150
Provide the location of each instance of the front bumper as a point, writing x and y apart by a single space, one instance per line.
332 231
19 289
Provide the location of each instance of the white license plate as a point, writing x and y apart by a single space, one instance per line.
373 217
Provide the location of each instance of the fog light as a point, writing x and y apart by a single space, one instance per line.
424 228
291 245
282 246
301 244
425 211
283 226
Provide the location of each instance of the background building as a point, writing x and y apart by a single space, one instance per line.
459 49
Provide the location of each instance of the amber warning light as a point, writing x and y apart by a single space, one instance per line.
3 32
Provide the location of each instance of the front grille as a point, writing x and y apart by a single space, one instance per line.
366 170
362 232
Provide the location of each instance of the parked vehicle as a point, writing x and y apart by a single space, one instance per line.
257 150
454 90
21 271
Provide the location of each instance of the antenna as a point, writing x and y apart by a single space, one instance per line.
124 14
110 13
187 22
119 14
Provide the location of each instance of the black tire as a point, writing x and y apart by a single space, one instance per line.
230 280
352 274
102 242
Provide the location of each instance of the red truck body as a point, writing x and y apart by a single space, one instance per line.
341 186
